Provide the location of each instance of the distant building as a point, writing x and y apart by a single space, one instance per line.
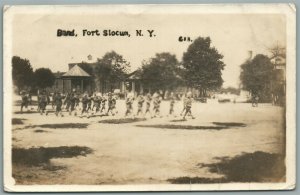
81 80
133 83
278 85
75 78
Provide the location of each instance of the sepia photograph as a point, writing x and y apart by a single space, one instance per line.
149 97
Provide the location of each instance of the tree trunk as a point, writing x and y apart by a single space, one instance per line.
201 92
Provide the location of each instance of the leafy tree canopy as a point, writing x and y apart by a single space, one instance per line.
203 65
22 72
44 78
256 74
111 67
87 67
161 72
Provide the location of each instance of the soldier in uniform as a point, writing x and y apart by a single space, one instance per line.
188 105
129 102
148 103
54 99
172 102
29 95
58 103
184 99
48 97
111 104
73 100
97 102
25 100
90 100
140 102
103 102
84 100
43 100
77 100
156 104
67 101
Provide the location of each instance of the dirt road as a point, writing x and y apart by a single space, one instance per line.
225 143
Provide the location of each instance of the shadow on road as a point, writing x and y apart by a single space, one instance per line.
230 124
185 127
122 120
248 167
33 165
17 121
219 125
19 102
40 131
61 126
178 120
32 111
39 156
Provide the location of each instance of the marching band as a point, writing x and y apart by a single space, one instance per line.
87 104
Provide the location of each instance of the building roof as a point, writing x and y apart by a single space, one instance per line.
76 71
135 75
278 60
58 74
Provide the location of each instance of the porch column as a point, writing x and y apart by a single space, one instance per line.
133 87
141 88
63 86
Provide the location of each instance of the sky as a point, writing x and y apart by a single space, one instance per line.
233 35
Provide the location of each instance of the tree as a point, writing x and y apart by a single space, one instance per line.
111 68
277 51
256 76
44 78
22 72
87 67
161 72
203 66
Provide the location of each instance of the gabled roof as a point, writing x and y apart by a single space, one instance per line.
134 75
58 74
278 60
76 71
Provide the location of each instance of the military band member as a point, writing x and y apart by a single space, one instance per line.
48 97
58 100
90 100
156 104
172 102
103 102
77 100
84 100
53 103
25 100
111 101
29 95
43 100
97 102
129 102
188 106
184 99
140 102
67 101
148 103
73 100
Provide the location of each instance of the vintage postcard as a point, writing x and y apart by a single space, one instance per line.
149 97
